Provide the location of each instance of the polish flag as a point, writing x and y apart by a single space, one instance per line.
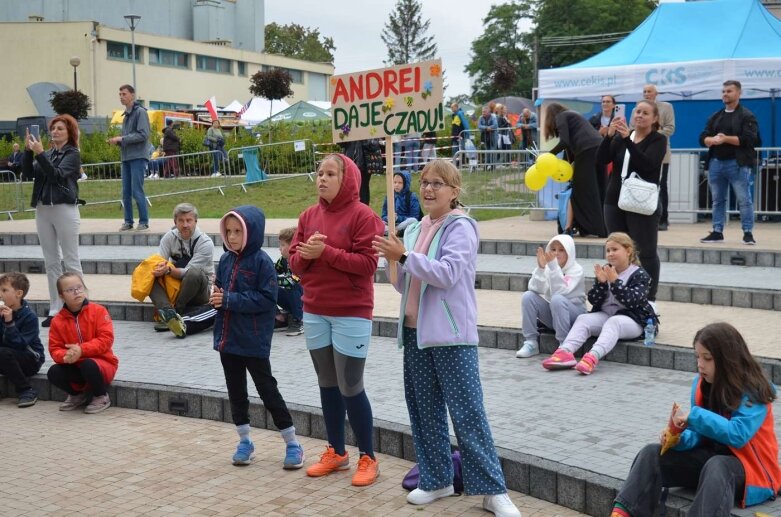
211 105
244 108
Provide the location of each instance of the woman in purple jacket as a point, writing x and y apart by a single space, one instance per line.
435 268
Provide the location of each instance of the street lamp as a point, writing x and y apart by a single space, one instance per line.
75 62
132 21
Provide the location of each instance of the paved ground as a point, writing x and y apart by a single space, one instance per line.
714 275
531 410
141 463
680 321
768 235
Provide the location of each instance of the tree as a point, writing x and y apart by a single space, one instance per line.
71 102
300 42
272 84
502 58
582 17
501 62
405 35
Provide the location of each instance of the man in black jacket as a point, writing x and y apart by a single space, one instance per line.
730 136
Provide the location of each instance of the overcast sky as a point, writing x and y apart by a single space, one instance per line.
454 25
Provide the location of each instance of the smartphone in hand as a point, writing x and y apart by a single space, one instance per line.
35 131
619 111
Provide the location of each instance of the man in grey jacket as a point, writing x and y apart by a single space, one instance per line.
192 253
667 128
134 152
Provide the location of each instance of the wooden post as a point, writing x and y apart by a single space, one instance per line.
390 200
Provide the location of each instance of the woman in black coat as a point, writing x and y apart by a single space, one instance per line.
581 141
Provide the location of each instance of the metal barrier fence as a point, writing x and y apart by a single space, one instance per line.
10 198
690 193
294 157
495 179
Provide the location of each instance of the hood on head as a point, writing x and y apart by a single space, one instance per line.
406 178
569 246
253 221
350 187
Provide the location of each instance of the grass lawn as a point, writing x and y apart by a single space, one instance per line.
281 198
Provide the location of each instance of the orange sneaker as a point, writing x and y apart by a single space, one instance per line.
329 462
367 472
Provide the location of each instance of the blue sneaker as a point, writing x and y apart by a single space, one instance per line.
245 451
294 457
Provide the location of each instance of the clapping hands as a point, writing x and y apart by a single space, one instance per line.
313 247
606 273
543 257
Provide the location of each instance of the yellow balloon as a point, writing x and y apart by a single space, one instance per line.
547 164
564 173
534 179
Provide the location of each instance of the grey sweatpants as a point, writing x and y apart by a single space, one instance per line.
558 315
609 330
58 232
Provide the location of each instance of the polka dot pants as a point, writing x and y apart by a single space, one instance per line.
437 380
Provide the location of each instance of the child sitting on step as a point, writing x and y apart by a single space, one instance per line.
21 350
81 340
556 295
620 308
728 451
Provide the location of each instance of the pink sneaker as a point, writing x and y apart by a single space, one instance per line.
560 360
587 365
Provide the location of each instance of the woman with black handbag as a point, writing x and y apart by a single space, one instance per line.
645 148
55 197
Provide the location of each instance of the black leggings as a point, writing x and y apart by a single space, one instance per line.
644 230
235 368
87 372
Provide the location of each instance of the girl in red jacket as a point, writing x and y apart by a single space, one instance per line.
728 451
332 254
80 342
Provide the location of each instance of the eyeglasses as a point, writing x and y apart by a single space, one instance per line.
435 185
74 290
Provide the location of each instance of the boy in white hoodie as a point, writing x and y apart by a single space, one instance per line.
556 294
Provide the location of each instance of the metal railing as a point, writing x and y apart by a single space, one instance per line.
495 179
293 157
10 197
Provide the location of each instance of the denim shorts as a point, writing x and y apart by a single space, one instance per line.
350 336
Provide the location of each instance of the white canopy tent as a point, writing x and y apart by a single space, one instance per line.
260 109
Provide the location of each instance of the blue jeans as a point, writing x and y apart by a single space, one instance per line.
133 188
290 300
722 174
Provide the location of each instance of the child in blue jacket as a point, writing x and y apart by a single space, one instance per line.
245 296
405 202
21 350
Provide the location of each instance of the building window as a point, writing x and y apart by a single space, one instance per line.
213 64
242 67
296 76
169 106
122 51
158 56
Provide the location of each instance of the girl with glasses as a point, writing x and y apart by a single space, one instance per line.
81 342
435 268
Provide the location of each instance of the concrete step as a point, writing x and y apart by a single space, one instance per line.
730 255
500 323
706 284
576 459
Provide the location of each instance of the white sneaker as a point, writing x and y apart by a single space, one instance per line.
500 505
528 349
419 496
